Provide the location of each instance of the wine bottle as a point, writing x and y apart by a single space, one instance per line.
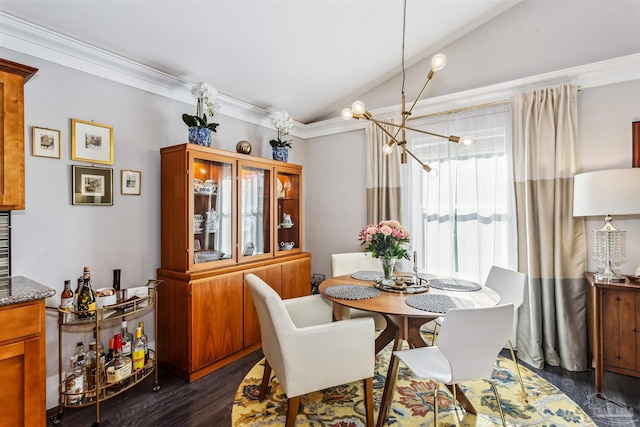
66 301
86 297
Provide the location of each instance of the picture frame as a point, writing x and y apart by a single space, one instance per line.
635 148
91 142
45 142
130 182
92 186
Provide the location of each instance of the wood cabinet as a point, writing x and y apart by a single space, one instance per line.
22 364
223 217
13 76
613 319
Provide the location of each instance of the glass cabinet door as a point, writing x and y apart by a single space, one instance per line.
289 214
212 192
255 221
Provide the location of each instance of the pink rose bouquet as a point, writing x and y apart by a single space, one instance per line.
388 239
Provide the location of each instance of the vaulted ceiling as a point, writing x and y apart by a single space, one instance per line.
309 57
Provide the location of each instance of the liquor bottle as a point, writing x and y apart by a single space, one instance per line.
86 297
138 354
111 354
91 367
66 301
100 354
127 339
76 378
121 366
74 383
146 342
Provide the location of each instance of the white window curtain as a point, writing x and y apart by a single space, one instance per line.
463 220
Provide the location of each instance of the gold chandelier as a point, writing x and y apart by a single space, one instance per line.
359 111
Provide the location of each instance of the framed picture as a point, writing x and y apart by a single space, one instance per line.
92 186
91 142
46 142
130 182
635 159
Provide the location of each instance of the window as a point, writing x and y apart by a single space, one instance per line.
463 220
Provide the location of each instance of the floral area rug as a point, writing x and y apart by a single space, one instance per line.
343 406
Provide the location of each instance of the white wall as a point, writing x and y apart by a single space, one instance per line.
52 239
605 115
335 197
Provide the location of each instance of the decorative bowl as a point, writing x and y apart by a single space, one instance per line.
105 297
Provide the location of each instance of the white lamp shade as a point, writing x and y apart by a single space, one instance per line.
608 192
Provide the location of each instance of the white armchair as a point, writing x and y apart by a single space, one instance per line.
309 352
350 262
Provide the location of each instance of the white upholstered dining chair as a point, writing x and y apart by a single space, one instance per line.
307 351
348 263
509 285
468 344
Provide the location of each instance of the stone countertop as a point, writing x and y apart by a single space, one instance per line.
18 289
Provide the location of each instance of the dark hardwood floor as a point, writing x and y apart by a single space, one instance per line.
208 401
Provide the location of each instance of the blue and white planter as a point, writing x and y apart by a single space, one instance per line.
200 136
281 153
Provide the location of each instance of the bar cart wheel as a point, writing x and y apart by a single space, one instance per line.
57 419
156 387
96 423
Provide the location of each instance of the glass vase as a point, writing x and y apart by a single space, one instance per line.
388 263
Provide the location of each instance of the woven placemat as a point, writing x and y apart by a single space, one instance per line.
435 303
351 292
366 275
454 285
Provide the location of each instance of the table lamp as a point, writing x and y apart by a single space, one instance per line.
608 192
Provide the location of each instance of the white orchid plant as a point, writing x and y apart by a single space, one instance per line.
207 98
283 123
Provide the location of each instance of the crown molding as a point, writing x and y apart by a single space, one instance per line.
39 42
33 40
617 70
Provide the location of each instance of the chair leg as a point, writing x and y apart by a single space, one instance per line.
515 361
495 392
368 401
265 380
435 332
292 411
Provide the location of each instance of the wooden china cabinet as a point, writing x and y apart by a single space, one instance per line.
223 215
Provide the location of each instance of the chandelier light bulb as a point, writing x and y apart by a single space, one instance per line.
388 147
347 114
358 107
433 173
438 62
466 141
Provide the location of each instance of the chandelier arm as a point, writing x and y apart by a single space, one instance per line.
429 77
451 138
379 124
425 166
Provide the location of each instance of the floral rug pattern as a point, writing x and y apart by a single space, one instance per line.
413 401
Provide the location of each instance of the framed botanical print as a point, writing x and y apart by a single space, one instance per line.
91 142
130 182
46 142
92 186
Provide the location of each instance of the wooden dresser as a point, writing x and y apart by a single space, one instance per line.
613 321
